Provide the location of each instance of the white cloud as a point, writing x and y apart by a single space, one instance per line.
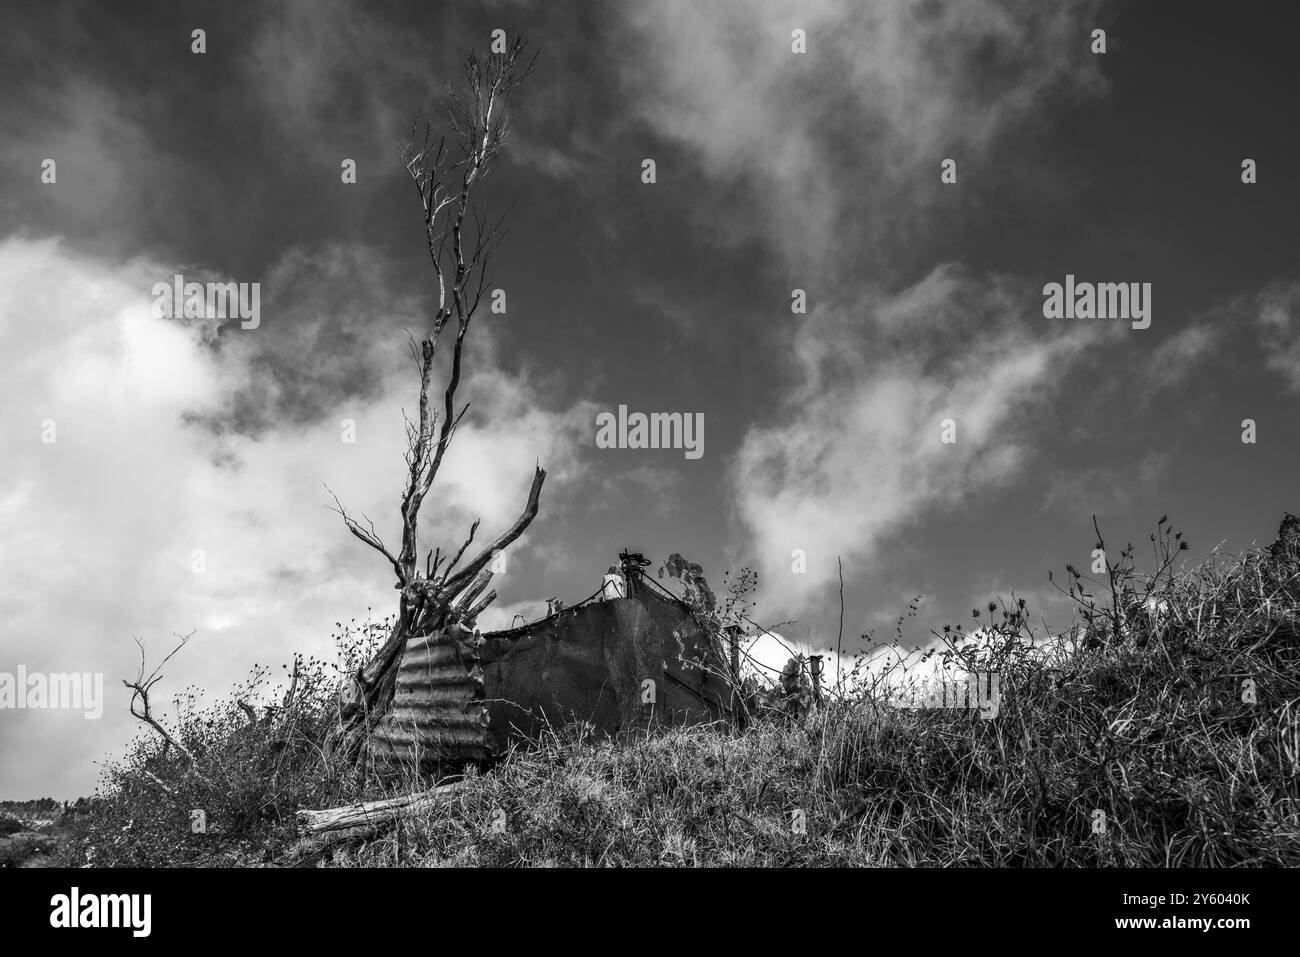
857 450
840 146
101 527
831 160
1279 322
1180 353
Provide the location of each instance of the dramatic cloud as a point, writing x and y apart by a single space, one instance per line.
185 488
830 160
104 168
336 76
1179 355
836 151
1279 323
858 448
137 521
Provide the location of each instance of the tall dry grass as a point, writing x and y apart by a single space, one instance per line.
1142 712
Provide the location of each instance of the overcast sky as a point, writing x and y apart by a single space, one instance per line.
775 171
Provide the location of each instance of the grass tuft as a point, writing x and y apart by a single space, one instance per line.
1170 708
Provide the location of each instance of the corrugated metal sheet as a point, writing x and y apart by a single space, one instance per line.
438 713
457 700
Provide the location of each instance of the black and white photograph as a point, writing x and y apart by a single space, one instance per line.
855 437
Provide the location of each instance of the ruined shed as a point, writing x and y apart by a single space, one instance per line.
619 664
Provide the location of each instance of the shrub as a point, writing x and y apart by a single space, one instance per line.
1170 707
247 766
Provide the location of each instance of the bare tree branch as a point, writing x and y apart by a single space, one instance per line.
472 529
141 708
462 601
477 608
370 537
445 166
456 582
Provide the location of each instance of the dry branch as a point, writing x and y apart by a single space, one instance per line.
375 813
445 169
142 710
459 580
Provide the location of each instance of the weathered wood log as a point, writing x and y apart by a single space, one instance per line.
374 813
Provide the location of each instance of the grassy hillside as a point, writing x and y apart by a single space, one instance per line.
1171 709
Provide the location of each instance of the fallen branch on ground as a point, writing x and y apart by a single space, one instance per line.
375 813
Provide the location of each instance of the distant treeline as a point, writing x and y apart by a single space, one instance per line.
37 807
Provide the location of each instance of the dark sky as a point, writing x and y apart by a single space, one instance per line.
775 171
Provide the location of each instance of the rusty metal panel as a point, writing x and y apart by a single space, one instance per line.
584 664
588 663
438 714
461 700
695 668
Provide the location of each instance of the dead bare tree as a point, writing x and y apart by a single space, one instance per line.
446 167
140 706
142 709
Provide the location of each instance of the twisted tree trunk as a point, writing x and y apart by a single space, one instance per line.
428 606
460 241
